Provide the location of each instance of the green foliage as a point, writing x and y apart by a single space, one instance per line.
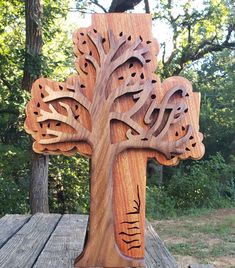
207 183
204 184
14 177
198 28
69 184
158 203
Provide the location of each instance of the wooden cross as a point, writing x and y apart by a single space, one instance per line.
116 111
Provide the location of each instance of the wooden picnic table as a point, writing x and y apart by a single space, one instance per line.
54 240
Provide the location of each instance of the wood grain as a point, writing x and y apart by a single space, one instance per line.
9 225
116 111
65 243
24 247
67 240
156 253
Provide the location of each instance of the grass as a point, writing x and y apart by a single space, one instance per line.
207 238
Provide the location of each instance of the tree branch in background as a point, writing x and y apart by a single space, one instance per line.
123 5
95 2
204 47
146 4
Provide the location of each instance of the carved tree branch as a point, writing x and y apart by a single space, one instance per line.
97 40
168 148
162 108
132 52
127 120
82 133
124 89
77 96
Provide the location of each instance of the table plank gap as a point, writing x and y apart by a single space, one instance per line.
46 242
23 248
65 244
10 225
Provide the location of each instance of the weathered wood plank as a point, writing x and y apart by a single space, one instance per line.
48 241
156 253
9 225
22 250
65 244
196 265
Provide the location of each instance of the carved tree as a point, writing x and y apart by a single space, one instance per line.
117 112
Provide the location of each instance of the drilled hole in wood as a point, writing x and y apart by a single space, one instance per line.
133 74
60 87
131 65
120 78
147 61
142 76
94 30
194 144
84 42
121 34
187 149
42 95
176 134
176 116
40 86
58 124
38 105
186 110
153 96
129 38
183 128
35 113
191 137
154 81
148 42
83 86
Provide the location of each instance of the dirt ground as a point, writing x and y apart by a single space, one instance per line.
205 239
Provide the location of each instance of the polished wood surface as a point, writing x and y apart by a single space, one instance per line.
119 113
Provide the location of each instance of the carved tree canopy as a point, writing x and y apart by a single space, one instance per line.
60 115
116 110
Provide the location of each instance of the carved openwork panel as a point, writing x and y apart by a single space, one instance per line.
119 113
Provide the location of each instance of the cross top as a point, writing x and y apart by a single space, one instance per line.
116 111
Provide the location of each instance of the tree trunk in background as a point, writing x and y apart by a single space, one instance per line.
155 173
32 70
39 184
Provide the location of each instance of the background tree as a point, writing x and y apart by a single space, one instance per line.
32 70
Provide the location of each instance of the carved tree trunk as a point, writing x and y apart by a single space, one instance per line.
32 70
